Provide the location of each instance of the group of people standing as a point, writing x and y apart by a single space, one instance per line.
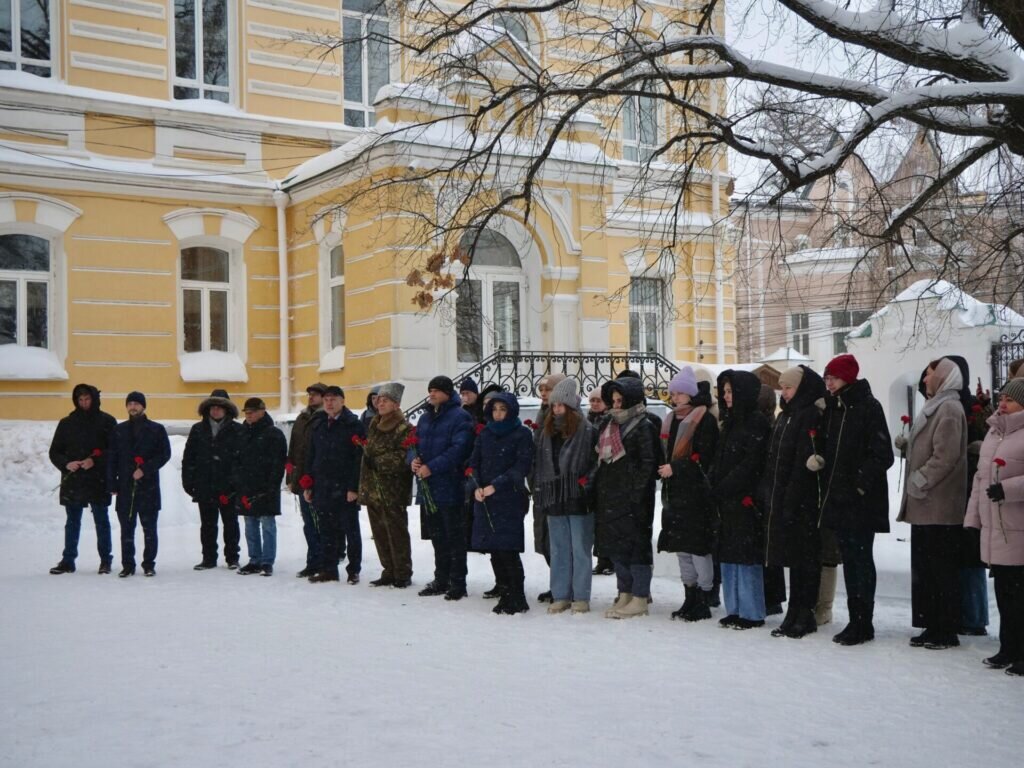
748 488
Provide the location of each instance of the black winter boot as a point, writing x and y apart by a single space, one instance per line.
803 624
62 567
699 609
687 603
512 604
783 629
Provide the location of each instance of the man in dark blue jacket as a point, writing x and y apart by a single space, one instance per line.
138 448
445 440
333 460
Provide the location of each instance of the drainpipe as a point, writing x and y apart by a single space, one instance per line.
281 201
716 211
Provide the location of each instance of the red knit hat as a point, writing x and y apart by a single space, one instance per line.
843 367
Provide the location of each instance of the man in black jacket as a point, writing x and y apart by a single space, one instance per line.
206 476
78 450
333 462
138 449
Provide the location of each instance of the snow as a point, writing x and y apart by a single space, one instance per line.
198 668
825 255
212 366
786 355
970 312
30 363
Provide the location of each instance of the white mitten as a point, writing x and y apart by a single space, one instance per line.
815 462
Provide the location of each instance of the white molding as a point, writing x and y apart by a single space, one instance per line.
273 31
124 271
122 303
51 213
188 223
118 364
118 66
298 93
132 240
294 63
114 34
134 7
296 8
560 273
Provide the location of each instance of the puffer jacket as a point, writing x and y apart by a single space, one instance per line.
83 435
444 440
1001 524
258 468
206 461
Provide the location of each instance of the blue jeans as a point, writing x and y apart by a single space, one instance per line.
73 527
311 530
571 538
633 579
261 552
149 538
973 598
743 590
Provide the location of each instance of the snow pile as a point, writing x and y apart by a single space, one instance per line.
970 312
35 363
212 366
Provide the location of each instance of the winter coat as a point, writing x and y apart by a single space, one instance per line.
935 485
624 519
1001 525
385 480
143 439
503 460
789 491
736 473
334 460
206 462
259 468
298 447
858 453
368 413
688 513
445 440
82 435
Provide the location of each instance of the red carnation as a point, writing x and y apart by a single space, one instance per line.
747 501
695 457
305 482
289 467
976 408
480 428
583 482
223 499
905 419
357 441
469 471
999 462
246 503
96 453
813 433
139 461
664 435
411 439
532 424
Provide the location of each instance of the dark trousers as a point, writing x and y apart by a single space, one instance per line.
935 577
774 585
209 512
804 583
1009 587
311 532
448 536
859 573
73 529
340 535
390 530
148 520
508 573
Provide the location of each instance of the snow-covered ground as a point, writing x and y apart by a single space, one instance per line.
206 668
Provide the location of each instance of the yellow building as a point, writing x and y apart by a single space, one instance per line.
190 197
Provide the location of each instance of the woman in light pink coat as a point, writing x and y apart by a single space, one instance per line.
996 508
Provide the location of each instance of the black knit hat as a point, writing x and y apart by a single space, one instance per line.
254 404
442 384
334 391
136 397
468 385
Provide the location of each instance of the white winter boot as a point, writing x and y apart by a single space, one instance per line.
559 606
581 606
826 595
637 606
620 602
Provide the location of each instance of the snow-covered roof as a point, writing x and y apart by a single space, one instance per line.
830 255
786 355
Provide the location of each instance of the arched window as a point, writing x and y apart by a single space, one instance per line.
366 66
25 290
514 25
488 307
206 299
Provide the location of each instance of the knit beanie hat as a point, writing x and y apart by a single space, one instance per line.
442 384
136 397
254 404
684 382
567 393
550 380
843 367
393 391
595 392
791 377
1014 389
468 385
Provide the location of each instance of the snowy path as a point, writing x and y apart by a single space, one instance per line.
193 669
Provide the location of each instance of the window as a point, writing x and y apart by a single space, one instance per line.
205 299
365 62
645 314
201 50
514 25
25 36
639 128
337 287
25 288
488 306
800 337
844 321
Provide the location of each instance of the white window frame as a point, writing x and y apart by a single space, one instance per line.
14 56
644 151
236 331
800 331
332 283
21 278
641 311
197 83
840 331
365 105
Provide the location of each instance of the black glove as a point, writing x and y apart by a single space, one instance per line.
996 492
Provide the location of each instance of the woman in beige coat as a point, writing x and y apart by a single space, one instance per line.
934 498
996 508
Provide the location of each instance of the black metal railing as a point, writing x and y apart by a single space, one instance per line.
519 372
1010 347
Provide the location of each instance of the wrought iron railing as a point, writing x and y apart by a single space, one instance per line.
519 372
1010 347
